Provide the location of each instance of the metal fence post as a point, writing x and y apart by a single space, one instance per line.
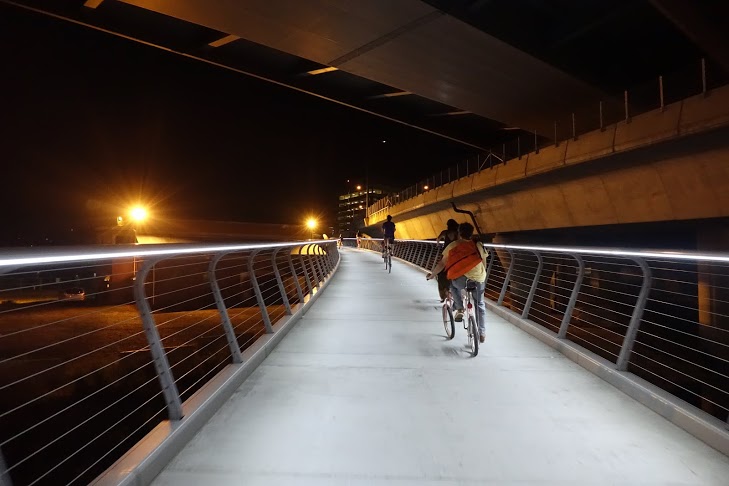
536 143
632 332
299 292
4 474
533 290
602 121
257 290
660 92
627 110
315 276
161 365
223 311
703 76
506 278
281 287
556 143
574 127
318 262
573 298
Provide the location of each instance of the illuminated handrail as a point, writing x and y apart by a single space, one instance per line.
100 344
652 313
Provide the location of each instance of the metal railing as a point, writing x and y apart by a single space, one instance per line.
99 345
698 78
661 315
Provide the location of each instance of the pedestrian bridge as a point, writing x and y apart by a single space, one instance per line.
355 383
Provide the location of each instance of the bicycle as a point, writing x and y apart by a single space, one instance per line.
449 323
387 254
470 319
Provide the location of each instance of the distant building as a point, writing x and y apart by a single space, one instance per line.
352 206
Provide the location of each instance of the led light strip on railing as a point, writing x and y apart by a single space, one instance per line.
27 257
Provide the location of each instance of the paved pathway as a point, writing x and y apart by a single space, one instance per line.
365 390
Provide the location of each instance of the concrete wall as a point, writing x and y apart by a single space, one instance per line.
661 166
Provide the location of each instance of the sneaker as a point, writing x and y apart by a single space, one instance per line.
459 315
481 338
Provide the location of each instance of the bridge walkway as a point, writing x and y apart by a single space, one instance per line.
365 390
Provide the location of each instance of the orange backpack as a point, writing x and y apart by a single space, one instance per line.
461 259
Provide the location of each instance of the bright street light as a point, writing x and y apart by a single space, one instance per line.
311 223
359 188
138 214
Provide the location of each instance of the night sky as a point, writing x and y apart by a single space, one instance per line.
92 123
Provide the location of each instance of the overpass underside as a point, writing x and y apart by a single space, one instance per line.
665 165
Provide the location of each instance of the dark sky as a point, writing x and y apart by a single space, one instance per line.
92 122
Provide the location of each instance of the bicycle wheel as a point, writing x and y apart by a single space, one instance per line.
473 335
389 262
448 322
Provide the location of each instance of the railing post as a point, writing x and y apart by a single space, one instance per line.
281 287
4 474
257 290
632 332
317 261
703 76
223 311
562 334
602 121
574 127
536 143
161 365
489 267
660 92
315 276
506 278
627 110
299 292
533 290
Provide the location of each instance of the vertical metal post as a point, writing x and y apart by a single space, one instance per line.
573 298
223 311
449 174
320 265
458 166
506 278
488 268
536 143
703 76
518 147
533 290
627 110
602 120
279 281
632 332
503 153
314 275
660 92
556 143
161 365
574 127
257 291
299 292
4 474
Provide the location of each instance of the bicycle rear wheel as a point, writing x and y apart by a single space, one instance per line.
389 262
448 322
473 335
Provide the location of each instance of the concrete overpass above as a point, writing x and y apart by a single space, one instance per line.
480 73
662 166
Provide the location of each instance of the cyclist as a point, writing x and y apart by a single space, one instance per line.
388 229
448 235
463 260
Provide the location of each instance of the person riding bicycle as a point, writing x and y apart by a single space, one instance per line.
448 235
388 229
463 260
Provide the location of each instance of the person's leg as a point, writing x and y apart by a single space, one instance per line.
443 285
457 285
480 306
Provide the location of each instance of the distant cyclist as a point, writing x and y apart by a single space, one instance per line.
464 260
388 229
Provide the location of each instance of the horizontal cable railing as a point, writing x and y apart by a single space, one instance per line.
698 78
661 315
98 345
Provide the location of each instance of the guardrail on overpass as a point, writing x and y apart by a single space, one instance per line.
661 316
104 347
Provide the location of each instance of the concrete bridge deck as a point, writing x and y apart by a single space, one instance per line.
367 391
